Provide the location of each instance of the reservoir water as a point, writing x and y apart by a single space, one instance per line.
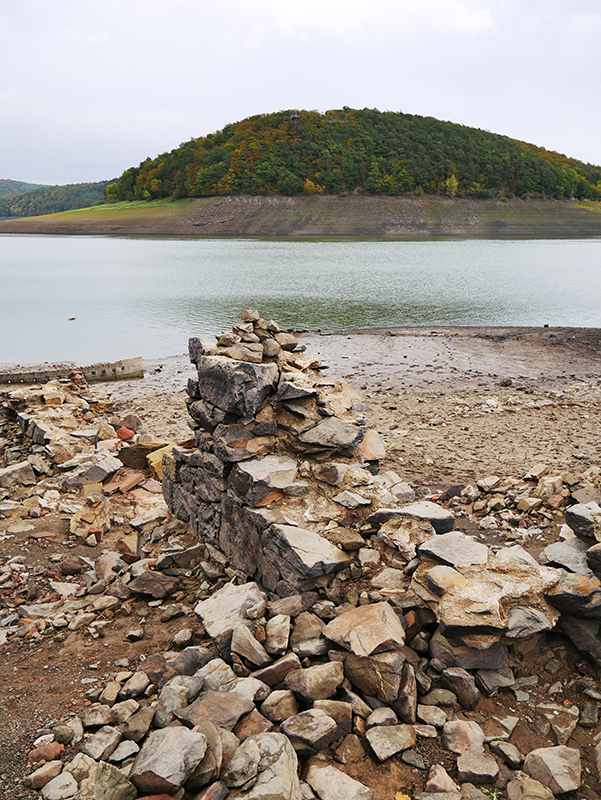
147 296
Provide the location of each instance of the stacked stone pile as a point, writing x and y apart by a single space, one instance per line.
355 624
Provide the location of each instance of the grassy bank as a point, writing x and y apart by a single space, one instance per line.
324 216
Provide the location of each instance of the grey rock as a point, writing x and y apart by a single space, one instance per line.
439 780
569 554
491 657
100 745
490 680
431 715
167 760
43 775
135 686
316 683
341 713
525 621
367 629
455 549
235 386
60 788
277 778
508 752
280 705
333 432
97 716
309 731
389 578
244 764
462 684
589 714
388 740
522 787
580 520
351 500
125 709
106 782
331 784
258 480
170 698
593 558
378 675
477 767
245 645
382 716
136 727
223 709
19 474
459 736
277 634
301 551
277 671
233 443
125 749
440 518
228 608
558 768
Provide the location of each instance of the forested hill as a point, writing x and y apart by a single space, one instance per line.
347 150
9 187
51 199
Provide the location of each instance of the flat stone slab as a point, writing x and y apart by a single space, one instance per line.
441 519
455 549
389 740
331 784
333 432
305 551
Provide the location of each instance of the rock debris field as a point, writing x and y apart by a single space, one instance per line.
244 577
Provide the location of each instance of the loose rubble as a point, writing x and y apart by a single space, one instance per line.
332 624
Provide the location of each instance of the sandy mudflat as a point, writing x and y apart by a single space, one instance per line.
451 403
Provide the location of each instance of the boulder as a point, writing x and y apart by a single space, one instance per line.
558 768
167 759
318 682
228 608
367 629
235 386
309 731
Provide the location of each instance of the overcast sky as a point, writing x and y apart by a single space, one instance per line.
92 87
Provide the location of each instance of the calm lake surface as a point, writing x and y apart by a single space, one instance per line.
147 296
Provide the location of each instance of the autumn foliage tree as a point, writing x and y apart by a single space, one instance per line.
348 150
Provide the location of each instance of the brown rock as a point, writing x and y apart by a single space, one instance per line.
367 629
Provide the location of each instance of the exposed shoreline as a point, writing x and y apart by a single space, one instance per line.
325 216
452 403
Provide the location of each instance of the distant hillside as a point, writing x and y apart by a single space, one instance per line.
348 151
10 188
52 199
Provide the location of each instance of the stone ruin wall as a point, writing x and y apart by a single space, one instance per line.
283 467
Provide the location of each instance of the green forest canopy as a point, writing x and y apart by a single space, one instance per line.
347 150
9 187
52 199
